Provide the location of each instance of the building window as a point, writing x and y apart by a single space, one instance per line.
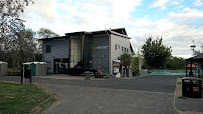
48 48
125 49
119 47
115 46
122 48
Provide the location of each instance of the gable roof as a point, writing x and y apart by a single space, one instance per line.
118 31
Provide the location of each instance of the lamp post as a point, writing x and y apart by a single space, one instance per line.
193 46
193 49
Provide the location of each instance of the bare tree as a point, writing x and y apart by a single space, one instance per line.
10 25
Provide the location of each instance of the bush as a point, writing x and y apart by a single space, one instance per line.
136 72
107 76
13 72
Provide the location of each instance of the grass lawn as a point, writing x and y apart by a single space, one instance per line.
179 83
23 98
181 76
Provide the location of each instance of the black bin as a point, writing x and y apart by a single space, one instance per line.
27 72
191 87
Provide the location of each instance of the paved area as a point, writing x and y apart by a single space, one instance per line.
61 76
91 100
187 105
195 105
149 94
164 84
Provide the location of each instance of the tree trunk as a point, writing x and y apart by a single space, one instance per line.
125 72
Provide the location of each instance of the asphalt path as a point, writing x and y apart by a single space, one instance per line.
149 94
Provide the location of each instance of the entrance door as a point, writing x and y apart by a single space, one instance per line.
61 66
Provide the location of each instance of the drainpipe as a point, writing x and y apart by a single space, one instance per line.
109 50
83 38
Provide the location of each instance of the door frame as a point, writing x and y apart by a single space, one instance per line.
62 60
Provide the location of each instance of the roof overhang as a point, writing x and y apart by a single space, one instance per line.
52 38
119 32
198 58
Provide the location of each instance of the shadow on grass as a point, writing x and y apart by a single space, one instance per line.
23 98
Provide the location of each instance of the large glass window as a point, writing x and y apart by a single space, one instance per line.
76 51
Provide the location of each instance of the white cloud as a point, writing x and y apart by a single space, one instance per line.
78 15
175 2
101 10
159 3
187 14
163 3
198 3
44 8
177 29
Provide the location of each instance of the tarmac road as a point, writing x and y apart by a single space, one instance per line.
149 94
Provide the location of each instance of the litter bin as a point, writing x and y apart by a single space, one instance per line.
191 87
27 71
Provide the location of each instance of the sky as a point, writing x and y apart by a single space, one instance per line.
178 22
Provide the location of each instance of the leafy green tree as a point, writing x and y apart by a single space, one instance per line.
46 33
125 59
176 63
137 61
135 66
155 53
23 49
26 45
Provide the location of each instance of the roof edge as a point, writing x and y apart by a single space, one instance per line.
52 38
122 35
